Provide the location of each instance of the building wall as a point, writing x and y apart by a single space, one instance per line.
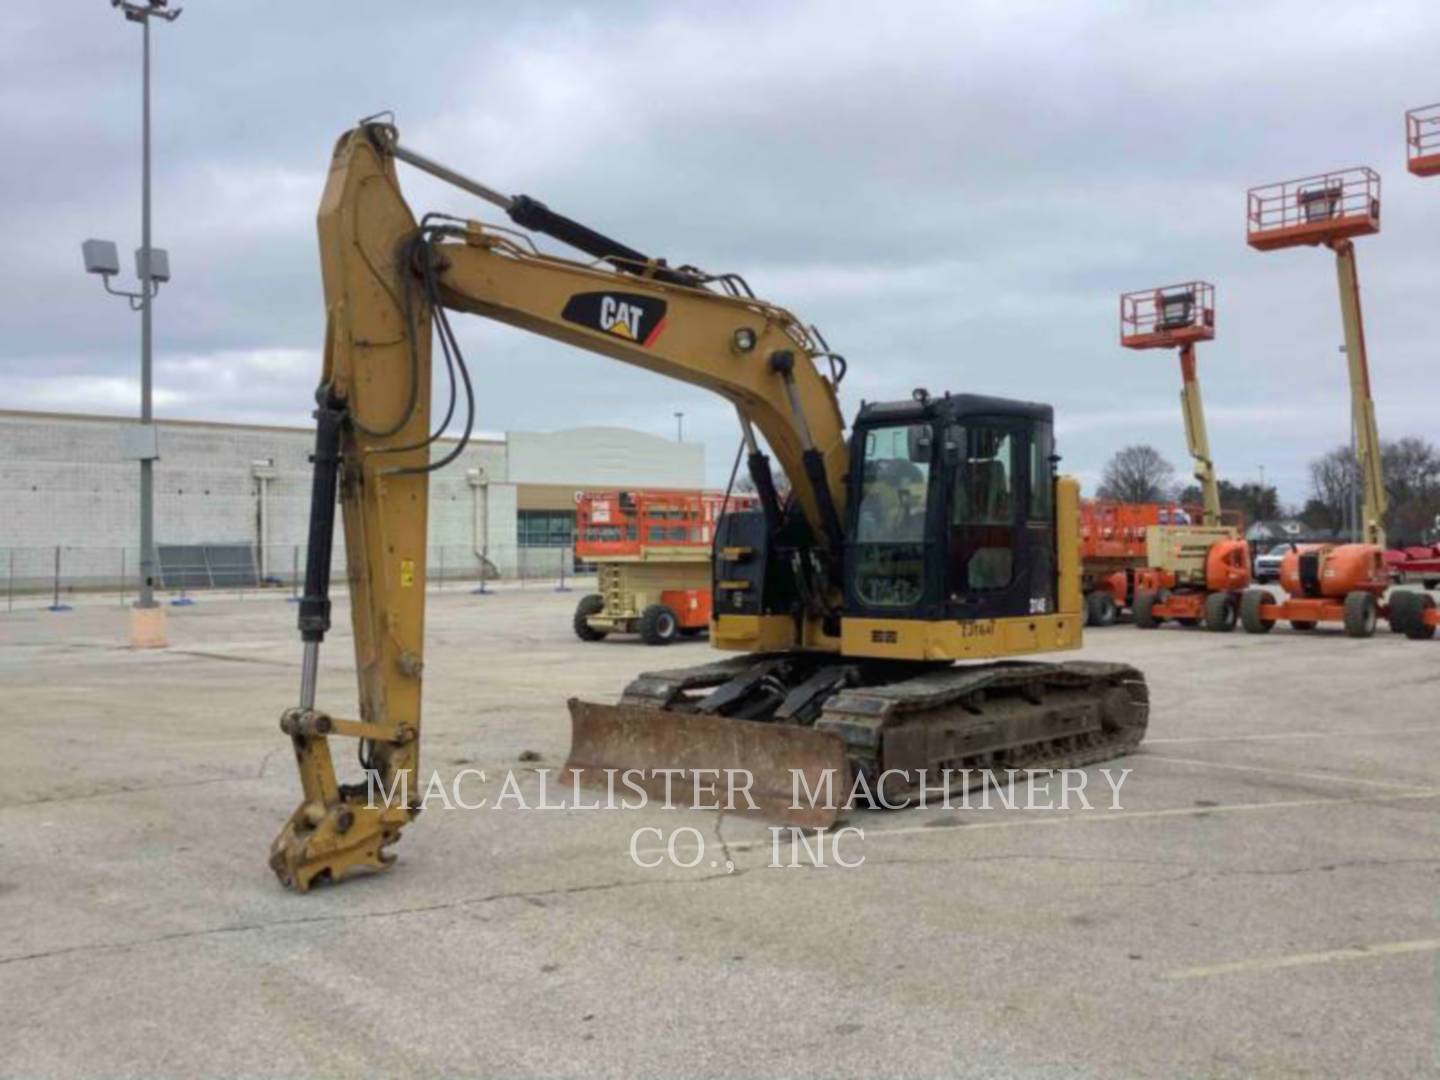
63 481
603 457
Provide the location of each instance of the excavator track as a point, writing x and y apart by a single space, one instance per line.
895 726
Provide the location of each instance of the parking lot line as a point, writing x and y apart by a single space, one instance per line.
1295 774
1036 820
1327 956
1278 736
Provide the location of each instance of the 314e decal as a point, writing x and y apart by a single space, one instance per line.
626 315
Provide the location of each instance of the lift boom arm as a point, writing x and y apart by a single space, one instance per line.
1362 404
1199 442
373 441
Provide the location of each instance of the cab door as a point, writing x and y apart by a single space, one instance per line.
999 537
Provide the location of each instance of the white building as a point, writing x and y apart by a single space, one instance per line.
64 483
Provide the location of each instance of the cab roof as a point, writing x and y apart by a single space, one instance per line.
951 407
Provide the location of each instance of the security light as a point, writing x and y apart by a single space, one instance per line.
101 257
159 264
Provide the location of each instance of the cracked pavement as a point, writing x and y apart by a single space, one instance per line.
1286 864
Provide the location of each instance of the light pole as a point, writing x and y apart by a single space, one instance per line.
152 267
679 427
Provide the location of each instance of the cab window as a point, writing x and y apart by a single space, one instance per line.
889 546
982 507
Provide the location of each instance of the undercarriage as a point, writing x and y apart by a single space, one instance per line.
795 722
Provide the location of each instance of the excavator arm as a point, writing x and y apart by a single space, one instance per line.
387 279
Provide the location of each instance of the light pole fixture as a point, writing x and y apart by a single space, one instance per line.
152 267
679 427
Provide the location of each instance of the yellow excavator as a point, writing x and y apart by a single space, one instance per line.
936 532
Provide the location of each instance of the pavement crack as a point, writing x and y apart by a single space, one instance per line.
391 913
1345 864
232 658
720 836
137 790
265 762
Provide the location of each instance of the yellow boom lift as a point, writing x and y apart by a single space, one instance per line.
936 532
1196 572
1330 583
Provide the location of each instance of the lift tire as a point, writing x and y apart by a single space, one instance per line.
1303 625
588 605
1361 614
658 625
1144 609
1407 615
1100 609
1220 613
1251 601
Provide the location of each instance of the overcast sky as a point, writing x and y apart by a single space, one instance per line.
955 193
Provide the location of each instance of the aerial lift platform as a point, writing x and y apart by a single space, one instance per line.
1414 614
1196 572
651 551
1330 583
1422 140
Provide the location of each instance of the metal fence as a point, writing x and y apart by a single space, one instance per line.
62 575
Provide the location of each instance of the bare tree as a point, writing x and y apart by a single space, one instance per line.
1256 503
1411 467
1334 479
1137 474
1412 480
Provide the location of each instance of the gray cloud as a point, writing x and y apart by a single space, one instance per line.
955 193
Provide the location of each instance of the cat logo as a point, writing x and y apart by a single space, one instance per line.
619 317
625 315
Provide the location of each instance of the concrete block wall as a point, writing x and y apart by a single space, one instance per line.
64 481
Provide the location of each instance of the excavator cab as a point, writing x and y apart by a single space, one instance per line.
952 514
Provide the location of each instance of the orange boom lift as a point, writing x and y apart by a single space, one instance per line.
1112 553
1414 614
1197 573
1342 583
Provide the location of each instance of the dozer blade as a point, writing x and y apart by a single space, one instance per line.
779 766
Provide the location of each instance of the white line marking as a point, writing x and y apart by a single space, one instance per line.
1288 772
1080 817
1433 729
1328 956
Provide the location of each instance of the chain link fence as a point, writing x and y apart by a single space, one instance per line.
61 576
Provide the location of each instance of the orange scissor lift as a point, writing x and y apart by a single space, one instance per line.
1195 573
651 549
1414 614
1330 583
1114 549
